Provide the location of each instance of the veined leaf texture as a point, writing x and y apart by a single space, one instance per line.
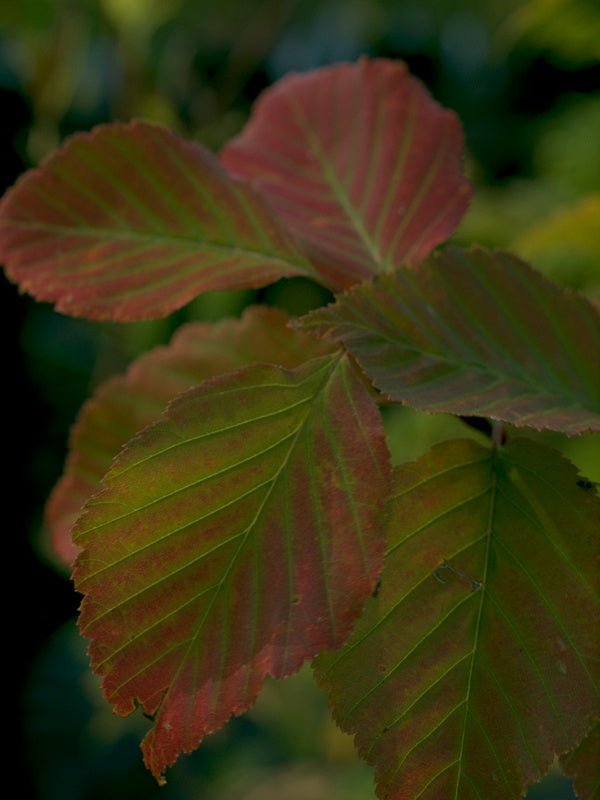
242 518
131 222
361 163
477 661
233 539
125 404
475 333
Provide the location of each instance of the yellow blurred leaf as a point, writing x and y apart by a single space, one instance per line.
570 28
135 14
566 244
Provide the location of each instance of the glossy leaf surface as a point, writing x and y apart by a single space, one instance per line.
475 333
131 222
234 539
125 404
361 163
477 661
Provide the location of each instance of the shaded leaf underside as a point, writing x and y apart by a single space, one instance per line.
131 221
361 164
127 403
233 539
475 333
478 659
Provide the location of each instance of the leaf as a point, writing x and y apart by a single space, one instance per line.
477 661
475 333
234 539
125 404
582 764
360 162
131 222
565 245
568 29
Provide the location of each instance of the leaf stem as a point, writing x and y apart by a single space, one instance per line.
498 434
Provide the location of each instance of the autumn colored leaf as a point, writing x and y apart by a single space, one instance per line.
131 221
582 764
475 333
125 404
477 661
361 163
235 538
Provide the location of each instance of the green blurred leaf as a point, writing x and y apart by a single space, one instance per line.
569 28
567 153
566 245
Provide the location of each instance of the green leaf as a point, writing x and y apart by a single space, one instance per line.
361 164
235 538
125 404
582 764
475 333
477 661
568 28
131 221
566 245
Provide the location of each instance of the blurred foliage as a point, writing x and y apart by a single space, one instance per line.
569 28
565 166
285 748
523 75
566 244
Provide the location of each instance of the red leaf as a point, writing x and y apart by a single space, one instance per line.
131 222
360 163
127 403
234 539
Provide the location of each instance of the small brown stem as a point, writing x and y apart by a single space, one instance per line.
498 434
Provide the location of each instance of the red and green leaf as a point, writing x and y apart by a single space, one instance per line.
127 403
130 222
477 661
582 765
235 538
360 162
475 333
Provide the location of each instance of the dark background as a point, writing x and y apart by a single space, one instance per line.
524 78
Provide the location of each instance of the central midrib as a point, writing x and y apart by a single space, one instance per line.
490 528
111 234
485 369
337 187
248 532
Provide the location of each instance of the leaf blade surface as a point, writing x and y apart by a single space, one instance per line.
360 162
131 222
125 404
234 539
582 765
477 660
475 333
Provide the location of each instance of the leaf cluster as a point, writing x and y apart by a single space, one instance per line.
230 501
